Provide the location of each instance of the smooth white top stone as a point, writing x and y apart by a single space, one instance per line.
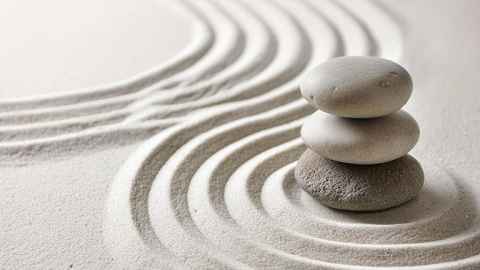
357 87
360 141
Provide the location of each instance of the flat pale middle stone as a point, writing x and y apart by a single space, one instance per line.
357 87
359 187
360 141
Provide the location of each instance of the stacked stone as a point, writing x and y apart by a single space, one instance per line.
359 138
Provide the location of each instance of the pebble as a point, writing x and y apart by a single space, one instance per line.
357 187
360 141
357 87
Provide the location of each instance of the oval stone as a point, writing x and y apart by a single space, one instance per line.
359 187
360 141
357 87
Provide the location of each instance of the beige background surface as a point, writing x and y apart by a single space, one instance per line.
52 208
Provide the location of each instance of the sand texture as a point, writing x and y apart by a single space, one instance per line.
178 150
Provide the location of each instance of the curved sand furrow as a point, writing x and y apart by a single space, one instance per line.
201 194
72 117
106 118
168 211
227 48
74 124
242 196
134 243
294 52
211 220
412 223
260 45
79 123
229 44
243 199
200 45
238 110
181 212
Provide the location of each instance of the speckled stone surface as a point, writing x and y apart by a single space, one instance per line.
357 86
83 188
359 187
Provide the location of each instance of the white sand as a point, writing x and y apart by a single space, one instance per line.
215 190
56 46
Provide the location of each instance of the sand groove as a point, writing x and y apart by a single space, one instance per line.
217 191
214 188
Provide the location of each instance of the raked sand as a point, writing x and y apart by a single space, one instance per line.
178 146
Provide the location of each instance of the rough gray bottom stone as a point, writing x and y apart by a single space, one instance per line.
359 187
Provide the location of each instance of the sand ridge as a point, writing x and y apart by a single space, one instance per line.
214 188
218 192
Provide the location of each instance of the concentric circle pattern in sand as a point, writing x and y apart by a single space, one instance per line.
216 191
